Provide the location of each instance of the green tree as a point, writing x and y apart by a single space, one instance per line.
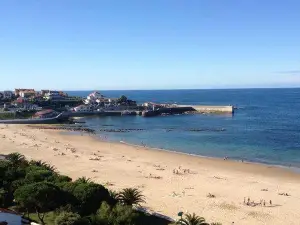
113 194
122 99
117 215
84 180
192 219
42 164
11 174
39 175
4 167
62 178
17 159
89 196
2 197
70 218
130 196
40 197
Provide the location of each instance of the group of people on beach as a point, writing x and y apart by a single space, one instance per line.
262 202
181 171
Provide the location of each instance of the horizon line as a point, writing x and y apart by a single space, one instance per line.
173 89
166 89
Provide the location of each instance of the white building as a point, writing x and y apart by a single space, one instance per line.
54 95
27 93
93 97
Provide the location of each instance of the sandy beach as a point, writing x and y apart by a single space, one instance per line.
171 182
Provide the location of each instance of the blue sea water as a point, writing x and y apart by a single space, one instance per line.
265 128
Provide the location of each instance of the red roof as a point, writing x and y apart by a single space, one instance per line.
20 100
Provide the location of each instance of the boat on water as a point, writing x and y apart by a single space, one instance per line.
57 119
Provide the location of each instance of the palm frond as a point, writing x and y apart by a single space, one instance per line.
192 219
131 196
16 159
43 164
84 180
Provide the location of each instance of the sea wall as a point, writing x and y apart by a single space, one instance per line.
209 108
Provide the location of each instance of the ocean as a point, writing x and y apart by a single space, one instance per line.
265 128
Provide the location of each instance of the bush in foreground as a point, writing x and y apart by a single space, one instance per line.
70 218
117 215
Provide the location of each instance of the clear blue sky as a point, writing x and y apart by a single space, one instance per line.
149 44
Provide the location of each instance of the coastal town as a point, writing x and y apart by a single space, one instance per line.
52 106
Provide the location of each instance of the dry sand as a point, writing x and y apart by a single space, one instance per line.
118 165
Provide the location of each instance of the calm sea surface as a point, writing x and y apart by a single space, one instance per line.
265 128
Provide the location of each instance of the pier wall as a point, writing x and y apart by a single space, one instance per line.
210 108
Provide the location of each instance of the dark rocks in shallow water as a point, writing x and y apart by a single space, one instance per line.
121 130
169 129
206 129
113 130
67 128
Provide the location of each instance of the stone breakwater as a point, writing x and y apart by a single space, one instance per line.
118 130
180 109
126 130
209 108
66 128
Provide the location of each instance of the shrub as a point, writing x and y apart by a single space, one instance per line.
83 180
117 215
62 178
68 218
65 208
34 176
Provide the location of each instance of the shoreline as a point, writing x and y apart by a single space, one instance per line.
289 168
228 159
120 165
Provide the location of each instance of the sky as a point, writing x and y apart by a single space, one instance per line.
149 44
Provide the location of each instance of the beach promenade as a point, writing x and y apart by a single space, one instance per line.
220 190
